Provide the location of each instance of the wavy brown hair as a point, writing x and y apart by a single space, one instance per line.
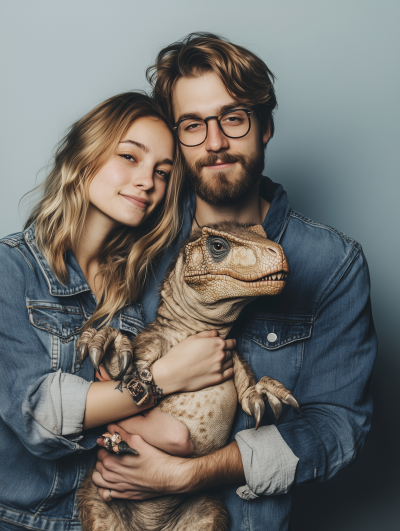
246 77
128 253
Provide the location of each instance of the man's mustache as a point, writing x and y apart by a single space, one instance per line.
212 158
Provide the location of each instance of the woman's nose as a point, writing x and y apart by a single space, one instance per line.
144 179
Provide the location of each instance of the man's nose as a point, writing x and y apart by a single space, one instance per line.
216 140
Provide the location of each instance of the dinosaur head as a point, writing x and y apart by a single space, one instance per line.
233 261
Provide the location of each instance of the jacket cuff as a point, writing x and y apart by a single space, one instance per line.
269 464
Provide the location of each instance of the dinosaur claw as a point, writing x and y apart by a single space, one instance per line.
83 351
291 401
125 360
257 409
95 355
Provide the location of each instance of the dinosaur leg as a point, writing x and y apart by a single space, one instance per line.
251 395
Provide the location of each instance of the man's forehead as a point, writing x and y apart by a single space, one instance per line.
204 94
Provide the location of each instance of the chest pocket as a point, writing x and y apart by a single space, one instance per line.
274 345
59 328
131 320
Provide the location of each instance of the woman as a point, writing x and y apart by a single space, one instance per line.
109 206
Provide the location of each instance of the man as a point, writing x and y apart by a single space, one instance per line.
317 337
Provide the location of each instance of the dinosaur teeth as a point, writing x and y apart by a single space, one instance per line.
275 276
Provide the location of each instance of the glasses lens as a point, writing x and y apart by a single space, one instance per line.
192 132
235 124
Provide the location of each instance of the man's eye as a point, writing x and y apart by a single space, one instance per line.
190 128
232 120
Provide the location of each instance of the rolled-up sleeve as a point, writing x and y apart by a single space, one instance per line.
269 464
45 409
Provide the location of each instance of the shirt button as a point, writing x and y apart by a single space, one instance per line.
272 337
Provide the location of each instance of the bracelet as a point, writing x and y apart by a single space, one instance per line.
141 386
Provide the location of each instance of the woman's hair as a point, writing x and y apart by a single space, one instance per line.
126 257
246 77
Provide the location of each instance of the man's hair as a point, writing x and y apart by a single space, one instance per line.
245 76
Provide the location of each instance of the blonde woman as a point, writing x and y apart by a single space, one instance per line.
108 209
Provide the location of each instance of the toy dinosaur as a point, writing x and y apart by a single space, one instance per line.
218 271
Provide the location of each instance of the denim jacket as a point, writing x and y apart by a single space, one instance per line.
43 386
317 337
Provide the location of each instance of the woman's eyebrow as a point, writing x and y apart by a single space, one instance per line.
138 144
166 161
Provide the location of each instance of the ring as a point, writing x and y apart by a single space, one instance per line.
109 493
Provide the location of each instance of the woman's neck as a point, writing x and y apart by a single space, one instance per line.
95 231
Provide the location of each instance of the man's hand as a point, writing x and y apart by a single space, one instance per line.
154 473
149 474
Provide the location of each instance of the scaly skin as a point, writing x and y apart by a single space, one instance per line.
221 269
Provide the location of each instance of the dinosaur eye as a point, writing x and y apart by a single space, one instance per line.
218 248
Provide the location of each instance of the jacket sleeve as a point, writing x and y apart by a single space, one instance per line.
332 389
44 408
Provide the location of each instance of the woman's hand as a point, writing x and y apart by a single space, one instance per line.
197 362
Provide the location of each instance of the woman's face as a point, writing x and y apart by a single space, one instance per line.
133 182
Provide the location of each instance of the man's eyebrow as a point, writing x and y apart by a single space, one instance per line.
220 110
138 144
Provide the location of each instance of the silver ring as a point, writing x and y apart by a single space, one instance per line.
109 492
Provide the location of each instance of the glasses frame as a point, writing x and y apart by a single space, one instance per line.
218 118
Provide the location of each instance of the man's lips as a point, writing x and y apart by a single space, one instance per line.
220 165
137 201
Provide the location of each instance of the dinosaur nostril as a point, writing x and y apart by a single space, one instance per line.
272 251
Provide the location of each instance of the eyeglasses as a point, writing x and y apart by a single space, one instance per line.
193 132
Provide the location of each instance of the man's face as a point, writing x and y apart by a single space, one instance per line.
222 170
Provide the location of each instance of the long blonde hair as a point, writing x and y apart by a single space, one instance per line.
128 254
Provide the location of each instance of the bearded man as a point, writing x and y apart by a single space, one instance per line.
317 337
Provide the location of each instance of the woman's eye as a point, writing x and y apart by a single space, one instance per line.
128 157
163 174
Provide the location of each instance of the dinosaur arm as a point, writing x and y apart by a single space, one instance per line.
243 375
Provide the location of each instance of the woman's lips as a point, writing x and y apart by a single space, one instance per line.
137 201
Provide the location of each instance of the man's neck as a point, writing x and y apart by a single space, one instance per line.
251 210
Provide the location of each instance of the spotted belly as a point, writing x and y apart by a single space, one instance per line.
208 414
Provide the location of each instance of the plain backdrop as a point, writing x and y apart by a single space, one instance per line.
336 151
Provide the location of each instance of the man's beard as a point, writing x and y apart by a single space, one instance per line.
222 189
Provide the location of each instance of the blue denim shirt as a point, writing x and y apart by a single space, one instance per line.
323 349
43 386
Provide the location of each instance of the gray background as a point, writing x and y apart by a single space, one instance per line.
335 151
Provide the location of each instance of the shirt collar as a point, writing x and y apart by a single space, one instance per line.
75 283
277 217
